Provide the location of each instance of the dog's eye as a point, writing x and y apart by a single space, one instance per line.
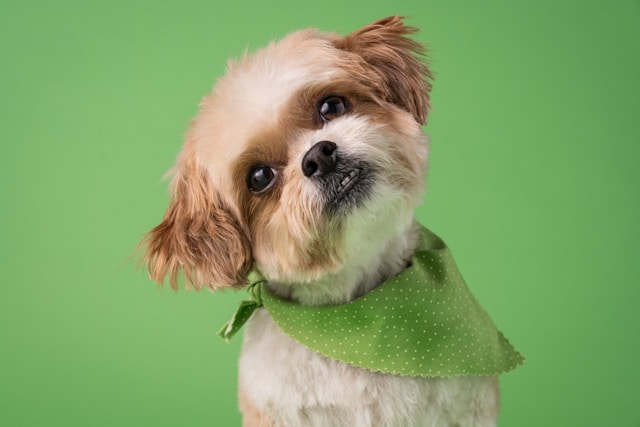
260 178
331 108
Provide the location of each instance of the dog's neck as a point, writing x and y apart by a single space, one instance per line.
357 277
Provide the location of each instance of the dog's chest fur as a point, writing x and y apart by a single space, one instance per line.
290 385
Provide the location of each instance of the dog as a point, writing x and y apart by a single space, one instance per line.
306 164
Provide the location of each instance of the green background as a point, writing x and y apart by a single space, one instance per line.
534 184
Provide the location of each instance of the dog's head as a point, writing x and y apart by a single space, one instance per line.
307 156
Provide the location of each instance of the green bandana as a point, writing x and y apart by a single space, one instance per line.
423 322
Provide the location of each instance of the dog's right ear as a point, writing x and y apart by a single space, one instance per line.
396 63
198 236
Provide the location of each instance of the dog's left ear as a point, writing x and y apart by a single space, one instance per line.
398 74
198 236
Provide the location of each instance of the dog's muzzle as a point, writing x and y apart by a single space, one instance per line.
344 181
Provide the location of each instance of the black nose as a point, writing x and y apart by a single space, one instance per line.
320 160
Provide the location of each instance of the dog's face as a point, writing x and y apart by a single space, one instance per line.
306 157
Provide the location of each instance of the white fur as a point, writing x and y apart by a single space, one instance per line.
293 386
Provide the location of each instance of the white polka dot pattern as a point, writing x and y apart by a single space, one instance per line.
423 322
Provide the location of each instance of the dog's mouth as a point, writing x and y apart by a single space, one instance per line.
351 186
349 182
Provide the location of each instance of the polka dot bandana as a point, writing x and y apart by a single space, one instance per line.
424 322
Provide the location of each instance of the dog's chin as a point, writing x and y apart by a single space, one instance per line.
365 254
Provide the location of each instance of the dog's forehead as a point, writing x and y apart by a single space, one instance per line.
281 68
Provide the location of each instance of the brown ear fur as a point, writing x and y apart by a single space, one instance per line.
401 78
198 236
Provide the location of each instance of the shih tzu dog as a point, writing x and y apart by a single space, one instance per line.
305 166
